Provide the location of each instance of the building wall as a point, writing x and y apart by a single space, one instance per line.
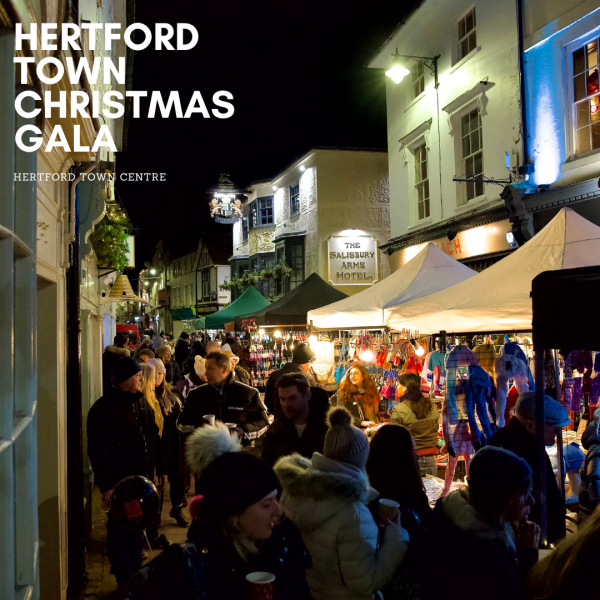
549 88
338 190
434 117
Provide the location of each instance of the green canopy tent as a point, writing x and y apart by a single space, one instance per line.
249 302
183 314
199 323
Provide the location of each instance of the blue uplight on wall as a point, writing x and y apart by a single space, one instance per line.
547 148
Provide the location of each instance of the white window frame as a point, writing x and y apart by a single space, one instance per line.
461 187
417 80
416 183
570 118
457 45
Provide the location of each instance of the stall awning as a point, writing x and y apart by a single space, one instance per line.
429 271
199 323
498 299
183 314
250 301
292 308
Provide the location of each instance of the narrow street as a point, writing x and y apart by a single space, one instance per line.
100 583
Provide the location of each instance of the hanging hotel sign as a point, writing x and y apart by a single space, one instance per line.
225 207
352 260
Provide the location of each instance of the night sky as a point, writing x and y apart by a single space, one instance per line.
297 74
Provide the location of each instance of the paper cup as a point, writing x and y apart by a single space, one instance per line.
388 508
209 418
231 425
261 585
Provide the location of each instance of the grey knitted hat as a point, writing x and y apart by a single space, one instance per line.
343 441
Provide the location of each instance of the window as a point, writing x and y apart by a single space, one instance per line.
472 155
265 211
205 284
467 37
245 229
418 79
294 199
253 217
295 260
586 98
421 182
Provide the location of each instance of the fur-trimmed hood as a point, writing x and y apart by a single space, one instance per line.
458 509
116 350
316 489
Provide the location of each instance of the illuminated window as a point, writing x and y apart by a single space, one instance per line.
421 182
418 79
205 284
245 229
586 98
294 199
472 155
467 36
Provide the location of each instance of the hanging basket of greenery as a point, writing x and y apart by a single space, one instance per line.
109 238
267 273
231 285
281 269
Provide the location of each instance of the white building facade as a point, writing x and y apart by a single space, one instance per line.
468 127
328 202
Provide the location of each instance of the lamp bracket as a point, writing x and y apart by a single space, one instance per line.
485 179
430 62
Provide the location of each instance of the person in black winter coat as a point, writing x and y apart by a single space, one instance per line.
229 400
238 528
123 440
111 355
171 407
302 427
302 356
589 495
182 349
483 533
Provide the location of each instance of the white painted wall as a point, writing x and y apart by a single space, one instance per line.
550 110
430 31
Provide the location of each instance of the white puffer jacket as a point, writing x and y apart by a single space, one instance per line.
326 500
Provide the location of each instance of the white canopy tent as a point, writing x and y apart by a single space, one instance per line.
429 271
498 298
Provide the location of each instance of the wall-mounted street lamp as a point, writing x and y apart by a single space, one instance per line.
398 71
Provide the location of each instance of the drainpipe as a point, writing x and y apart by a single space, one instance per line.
525 168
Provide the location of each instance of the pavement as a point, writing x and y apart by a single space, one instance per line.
101 585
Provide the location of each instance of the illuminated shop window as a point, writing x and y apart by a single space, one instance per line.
421 182
586 98
467 36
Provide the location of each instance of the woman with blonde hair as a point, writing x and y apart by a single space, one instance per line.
148 385
358 394
568 571
165 353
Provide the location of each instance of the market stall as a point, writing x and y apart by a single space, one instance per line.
429 271
249 302
498 298
292 308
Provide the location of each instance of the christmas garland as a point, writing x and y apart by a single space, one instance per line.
109 239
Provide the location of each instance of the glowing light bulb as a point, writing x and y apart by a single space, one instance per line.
312 340
302 168
261 331
278 334
397 73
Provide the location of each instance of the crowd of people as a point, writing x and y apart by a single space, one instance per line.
324 510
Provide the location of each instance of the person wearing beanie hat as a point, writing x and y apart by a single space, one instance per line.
326 497
123 440
483 530
238 528
111 355
520 436
302 356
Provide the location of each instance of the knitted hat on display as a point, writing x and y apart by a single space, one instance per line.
123 369
159 365
303 354
343 441
230 480
200 366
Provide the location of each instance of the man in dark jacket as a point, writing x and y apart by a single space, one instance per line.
589 496
302 427
111 355
519 436
182 349
302 356
123 440
227 399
